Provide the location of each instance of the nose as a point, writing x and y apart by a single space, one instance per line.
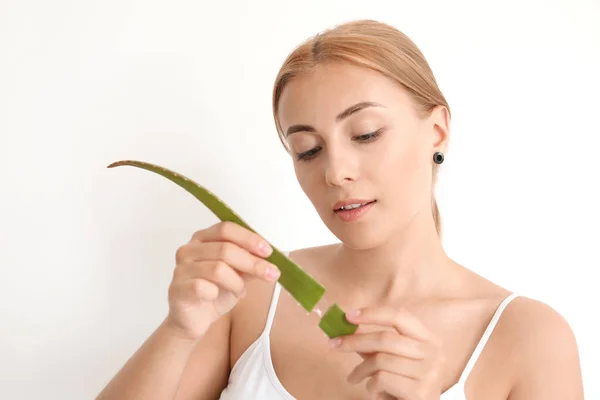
340 170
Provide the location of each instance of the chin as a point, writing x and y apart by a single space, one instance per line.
359 236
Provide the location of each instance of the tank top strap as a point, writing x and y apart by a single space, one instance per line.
272 308
273 305
485 337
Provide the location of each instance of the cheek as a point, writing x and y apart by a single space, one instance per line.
404 172
308 182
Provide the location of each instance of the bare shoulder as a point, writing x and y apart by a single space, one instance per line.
543 351
538 330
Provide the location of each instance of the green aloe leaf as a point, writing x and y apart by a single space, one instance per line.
305 289
334 322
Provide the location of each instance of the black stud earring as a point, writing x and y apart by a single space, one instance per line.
438 157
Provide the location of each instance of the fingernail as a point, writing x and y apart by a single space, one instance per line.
354 313
272 273
264 249
335 342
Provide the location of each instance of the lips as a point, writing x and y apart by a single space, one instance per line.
350 204
353 210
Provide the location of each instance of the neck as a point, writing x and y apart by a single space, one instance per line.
409 265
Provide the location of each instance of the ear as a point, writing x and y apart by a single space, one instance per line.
439 122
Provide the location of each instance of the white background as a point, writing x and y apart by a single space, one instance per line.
86 253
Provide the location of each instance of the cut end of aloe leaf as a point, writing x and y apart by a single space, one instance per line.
334 323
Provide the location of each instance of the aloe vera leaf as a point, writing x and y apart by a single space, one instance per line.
305 289
334 323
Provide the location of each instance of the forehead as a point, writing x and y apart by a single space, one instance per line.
317 97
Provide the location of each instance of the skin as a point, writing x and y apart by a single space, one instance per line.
421 313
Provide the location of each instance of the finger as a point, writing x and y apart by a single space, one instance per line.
386 384
406 367
219 273
380 342
193 254
239 259
401 320
190 252
195 290
235 233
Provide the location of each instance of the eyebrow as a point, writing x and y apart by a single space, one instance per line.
341 116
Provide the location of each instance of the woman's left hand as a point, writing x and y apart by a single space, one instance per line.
405 362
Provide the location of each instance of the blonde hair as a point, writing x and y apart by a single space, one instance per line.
374 45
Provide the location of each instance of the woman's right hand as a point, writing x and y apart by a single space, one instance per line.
211 274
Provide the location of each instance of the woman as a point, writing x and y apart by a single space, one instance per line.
360 112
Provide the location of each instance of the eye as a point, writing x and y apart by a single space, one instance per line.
365 138
369 137
307 155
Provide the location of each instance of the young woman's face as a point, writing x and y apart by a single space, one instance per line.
356 137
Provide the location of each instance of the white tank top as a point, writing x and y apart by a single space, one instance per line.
253 375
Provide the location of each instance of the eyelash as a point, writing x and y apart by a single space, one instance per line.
366 138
